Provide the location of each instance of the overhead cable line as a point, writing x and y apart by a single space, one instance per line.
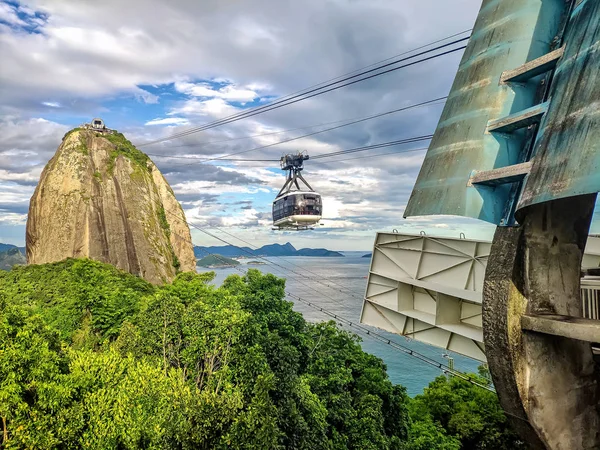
343 288
203 230
347 81
336 153
379 337
377 155
374 146
270 161
268 262
363 119
251 136
362 329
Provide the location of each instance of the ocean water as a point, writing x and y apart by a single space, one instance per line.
323 288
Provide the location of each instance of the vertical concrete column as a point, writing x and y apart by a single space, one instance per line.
548 384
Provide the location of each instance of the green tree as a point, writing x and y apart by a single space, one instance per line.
77 293
91 357
467 412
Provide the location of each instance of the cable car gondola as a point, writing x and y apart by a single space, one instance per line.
296 207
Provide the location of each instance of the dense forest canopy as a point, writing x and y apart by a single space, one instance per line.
92 357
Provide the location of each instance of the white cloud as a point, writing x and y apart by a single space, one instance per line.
33 176
217 53
229 92
168 121
215 107
12 219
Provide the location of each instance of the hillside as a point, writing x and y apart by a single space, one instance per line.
10 258
266 250
100 197
5 247
105 360
217 261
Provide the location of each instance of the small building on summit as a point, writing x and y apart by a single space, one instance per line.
98 124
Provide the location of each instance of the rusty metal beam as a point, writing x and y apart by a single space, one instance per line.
533 68
501 175
518 120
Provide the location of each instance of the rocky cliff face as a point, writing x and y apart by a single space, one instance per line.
100 197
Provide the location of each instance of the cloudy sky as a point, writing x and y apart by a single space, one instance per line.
153 68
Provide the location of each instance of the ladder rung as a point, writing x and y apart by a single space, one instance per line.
501 175
566 326
533 68
518 120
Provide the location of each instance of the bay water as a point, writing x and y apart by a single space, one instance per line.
338 285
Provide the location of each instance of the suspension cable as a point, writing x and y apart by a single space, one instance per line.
314 133
364 330
348 291
319 91
377 336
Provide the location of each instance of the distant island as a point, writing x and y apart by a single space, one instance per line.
368 255
256 263
287 249
216 261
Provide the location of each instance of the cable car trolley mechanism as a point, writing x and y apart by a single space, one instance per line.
297 206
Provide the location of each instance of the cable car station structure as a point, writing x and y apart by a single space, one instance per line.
517 145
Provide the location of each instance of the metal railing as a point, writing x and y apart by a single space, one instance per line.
590 297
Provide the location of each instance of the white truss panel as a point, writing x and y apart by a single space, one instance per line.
407 260
423 301
441 247
430 288
456 274
390 320
466 346
387 298
384 266
382 281
470 314
591 257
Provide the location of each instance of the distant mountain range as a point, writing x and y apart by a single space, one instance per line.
287 249
229 251
11 257
5 247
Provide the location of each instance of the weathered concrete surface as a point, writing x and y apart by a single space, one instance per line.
566 326
567 152
101 198
503 305
506 35
551 383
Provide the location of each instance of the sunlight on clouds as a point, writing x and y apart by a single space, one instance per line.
215 107
202 60
32 176
12 219
168 121
229 92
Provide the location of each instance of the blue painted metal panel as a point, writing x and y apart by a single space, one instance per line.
507 34
567 152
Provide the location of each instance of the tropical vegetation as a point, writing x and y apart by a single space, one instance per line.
92 357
